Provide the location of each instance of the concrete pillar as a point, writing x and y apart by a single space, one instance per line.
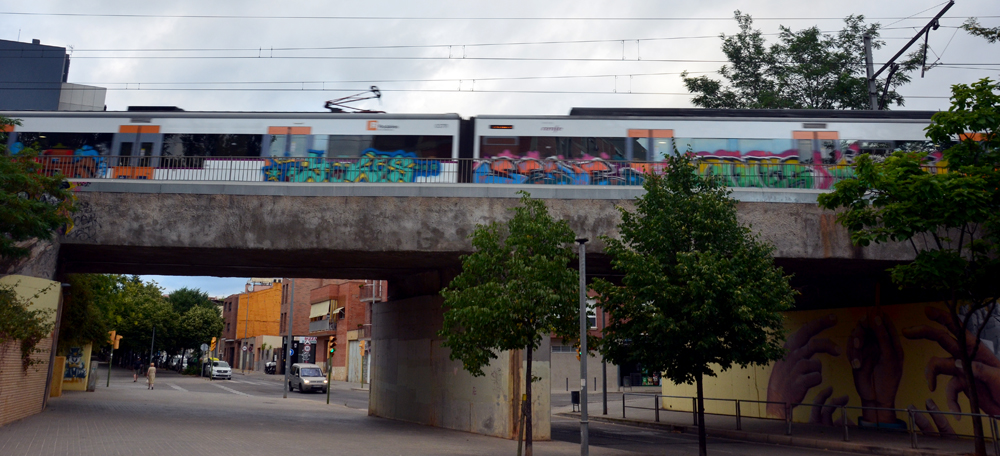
413 379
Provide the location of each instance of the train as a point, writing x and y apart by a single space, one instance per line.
589 146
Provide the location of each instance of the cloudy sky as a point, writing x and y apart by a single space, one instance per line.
466 57
449 56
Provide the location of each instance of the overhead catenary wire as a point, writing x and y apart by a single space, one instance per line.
434 18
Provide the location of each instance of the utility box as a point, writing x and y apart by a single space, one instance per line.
574 398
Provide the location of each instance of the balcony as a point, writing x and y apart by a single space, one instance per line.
371 292
322 324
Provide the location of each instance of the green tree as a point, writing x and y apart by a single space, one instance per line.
952 222
972 26
19 323
699 292
805 69
184 299
84 316
514 289
198 326
32 205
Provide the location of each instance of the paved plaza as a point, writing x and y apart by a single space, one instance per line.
247 416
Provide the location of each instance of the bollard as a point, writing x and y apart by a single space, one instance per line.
623 405
694 409
567 383
788 418
843 417
656 408
739 423
913 431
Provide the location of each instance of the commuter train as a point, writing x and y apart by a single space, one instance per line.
590 146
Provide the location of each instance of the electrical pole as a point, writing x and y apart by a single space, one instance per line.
151 344
870 67
246 324
288 349
584 431
891 64
604 365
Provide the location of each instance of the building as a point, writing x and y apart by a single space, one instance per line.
33 77
250 324
327 308
565 362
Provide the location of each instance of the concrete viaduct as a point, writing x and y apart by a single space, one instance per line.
413 236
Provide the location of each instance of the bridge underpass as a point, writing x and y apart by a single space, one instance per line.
413 236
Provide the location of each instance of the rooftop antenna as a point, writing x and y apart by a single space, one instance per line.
341 104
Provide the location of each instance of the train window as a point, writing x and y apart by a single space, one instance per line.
704 146
289 145
560 147
64 143
202 145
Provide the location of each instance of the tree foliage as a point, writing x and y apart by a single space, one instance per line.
184 299
32 205
805 69
19 323
515 288
990 34
951 220
699 292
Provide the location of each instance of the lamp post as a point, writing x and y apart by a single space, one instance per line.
288 348
584 431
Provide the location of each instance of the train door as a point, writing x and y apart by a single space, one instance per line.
135 150
816 146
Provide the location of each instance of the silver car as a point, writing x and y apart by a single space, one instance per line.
307 377
221 369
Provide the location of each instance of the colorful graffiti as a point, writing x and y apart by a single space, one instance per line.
76 367
372 166
507 169
83 163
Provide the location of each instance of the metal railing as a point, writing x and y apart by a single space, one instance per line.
752 173
911 426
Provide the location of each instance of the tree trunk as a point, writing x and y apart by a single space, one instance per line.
702 444
527 392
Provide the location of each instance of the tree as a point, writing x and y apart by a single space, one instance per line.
806 69
972 26
952 222
514 289
32 205
699 292
183 299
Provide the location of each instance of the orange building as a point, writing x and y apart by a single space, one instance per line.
248 317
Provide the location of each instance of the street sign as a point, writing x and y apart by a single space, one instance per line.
306 348
204 347
291 352
244 348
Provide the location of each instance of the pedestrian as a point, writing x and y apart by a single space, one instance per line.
151 375
136 369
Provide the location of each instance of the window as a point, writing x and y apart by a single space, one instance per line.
563 349
216 145
592 313
565 148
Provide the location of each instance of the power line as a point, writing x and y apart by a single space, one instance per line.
436 18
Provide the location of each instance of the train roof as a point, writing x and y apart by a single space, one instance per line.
752 113
224 114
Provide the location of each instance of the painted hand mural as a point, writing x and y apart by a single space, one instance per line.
985 367
876 358
793 377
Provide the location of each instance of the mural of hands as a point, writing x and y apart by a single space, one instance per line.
824 415
793 377
931 423
985 365
876 358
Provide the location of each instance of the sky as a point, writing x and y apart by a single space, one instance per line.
465 57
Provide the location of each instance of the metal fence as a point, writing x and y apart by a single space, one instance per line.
763 173
911 428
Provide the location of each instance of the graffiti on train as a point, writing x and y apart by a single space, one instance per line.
82 163
506 169
372 166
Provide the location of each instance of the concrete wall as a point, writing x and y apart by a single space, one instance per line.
566 371
413 379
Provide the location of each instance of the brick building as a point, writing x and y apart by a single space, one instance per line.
331 307
250 320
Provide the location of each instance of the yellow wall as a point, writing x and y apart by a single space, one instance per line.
888 355
22 392
262 309
26 287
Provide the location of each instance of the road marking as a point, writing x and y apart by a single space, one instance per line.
176 387
231 390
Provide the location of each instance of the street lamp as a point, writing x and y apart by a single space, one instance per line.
584 432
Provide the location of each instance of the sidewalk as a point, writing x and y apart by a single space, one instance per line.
804 435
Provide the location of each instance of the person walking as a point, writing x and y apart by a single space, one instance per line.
136 369
151 375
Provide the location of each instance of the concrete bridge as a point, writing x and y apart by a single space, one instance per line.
413 236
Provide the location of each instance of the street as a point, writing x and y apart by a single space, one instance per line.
247 416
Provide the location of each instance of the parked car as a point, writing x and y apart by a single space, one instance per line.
307 377
221 369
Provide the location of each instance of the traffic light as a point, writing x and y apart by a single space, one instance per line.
331 344
213 345
117 340
114 338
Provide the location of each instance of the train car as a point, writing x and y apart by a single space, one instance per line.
244 146
747 148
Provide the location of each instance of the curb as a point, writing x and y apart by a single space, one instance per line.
785 440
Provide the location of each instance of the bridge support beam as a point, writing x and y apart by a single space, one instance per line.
414 380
